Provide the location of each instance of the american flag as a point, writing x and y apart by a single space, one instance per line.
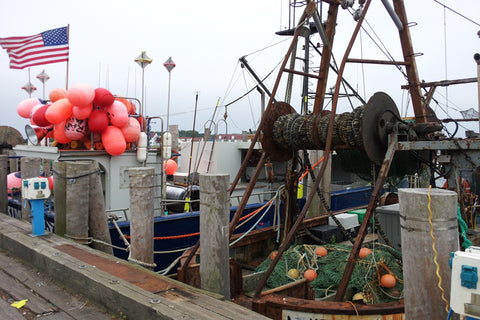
47 47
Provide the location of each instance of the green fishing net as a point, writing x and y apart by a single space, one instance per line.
365 278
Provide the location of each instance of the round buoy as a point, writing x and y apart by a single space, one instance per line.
57 94
170 166
25 107
59 133
273 255
98 121
14 180
293 273
321 251
364 252
388 281
310 275
59 111
75 129
82 113
39 116
113 141
81 94
117 114
131 131
103 97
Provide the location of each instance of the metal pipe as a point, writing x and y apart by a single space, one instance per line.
476 56
321 30
393 15
262 101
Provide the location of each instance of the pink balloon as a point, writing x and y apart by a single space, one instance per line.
98 121
103 97
117 114
59 111
113 141
39 116
132 130
59 133
75 129
25 107
82 113
81 94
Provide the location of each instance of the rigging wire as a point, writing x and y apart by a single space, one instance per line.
461 15
248 98
445 52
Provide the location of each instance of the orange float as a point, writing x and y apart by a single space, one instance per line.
75 129
39 116
25 107
273 255
57 94
364 252
103 97
59 111
81 94
321 251
170 166
388 281
310 274
82 113
59 133
113 141
98 121
117 114
131 131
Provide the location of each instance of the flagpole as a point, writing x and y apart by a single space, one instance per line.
68 59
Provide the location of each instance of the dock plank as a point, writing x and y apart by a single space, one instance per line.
9 312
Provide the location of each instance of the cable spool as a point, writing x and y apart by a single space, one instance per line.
367 128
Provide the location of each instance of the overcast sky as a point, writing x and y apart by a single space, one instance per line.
206 38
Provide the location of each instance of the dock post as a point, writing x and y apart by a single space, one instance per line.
3 184
423 298
77 200
30 169
142 192
214 233
60 196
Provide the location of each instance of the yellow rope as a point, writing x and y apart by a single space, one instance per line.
356 311
434 250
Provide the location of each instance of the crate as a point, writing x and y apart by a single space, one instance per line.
326 233
389 219
348 221
361 214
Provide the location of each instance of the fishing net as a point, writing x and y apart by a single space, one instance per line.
365 278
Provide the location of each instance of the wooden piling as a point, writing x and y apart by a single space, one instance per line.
214 233
142 181
3 183
97 219
30 169
60 197
77 199
423 298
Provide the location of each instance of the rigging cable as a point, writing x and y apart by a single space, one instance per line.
461 15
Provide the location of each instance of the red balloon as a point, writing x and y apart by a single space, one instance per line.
103 97
59 111
98 121
117 114
113 141
59 133
39 116
75 129
25 107
170 166
82 113
57 94
132 130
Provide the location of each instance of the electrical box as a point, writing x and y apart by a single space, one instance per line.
35 188
465 286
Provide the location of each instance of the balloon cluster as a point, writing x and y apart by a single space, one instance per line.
74 113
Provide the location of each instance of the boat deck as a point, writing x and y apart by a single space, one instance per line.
123 289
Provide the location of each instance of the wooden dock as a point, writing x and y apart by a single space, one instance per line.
99 286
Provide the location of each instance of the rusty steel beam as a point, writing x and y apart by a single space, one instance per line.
371 61
303 73
352 259
443 83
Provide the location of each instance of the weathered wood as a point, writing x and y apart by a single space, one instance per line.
214 233
60 196
97 219
77 185
8 312
423 298
3 183
142 181
30 169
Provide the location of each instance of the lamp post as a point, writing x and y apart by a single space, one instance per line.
43 77
169 65
143 60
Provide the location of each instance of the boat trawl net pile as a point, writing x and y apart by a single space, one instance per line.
366 278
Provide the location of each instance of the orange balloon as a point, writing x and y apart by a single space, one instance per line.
59 111
59 133
113 141
321 251
364 252
57 94
388 281
310 275
131 131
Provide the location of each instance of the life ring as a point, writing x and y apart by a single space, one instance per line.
463 182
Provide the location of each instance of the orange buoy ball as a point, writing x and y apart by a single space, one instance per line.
130 106
293 273
388 281
117 114
81 94
14 180
170 166
98 121
321 251
59 133
50 182
34 109
75 129
39 116
364 252
25 107
273 255
113 141
310 274
59 111
131 131
103 97
82 113
57 94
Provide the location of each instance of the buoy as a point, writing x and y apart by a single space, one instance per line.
81 94
39 116
117 114
273 254
130 107
310 275
14 180
293 273
364 252
82 113
357 296
75 129
25 107
50 182
113 141
59 111
321 251
132 130
57 94
59 133
388 281
98 121
170 166
103 97
142 147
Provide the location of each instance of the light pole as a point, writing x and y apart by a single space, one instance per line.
169 65
143 60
